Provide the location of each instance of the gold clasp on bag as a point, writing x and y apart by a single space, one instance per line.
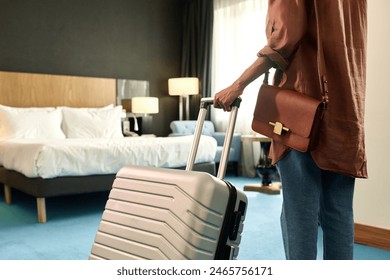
278 128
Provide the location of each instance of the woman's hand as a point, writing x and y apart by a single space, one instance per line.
225 98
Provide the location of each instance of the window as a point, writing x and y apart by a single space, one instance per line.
239 33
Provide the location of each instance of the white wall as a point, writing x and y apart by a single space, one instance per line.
372 196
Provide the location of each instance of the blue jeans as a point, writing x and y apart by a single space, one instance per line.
313 197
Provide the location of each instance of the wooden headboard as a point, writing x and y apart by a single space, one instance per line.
43 90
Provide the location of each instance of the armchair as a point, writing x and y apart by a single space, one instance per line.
180 128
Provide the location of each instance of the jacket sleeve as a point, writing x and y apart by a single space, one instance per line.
286 25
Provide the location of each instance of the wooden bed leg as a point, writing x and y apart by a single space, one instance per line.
41 208
7 194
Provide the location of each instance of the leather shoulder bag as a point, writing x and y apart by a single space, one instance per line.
288 116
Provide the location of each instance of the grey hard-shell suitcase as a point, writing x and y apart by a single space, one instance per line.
158 213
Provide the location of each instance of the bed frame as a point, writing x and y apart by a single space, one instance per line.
42 90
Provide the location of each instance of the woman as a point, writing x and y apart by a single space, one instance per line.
318 185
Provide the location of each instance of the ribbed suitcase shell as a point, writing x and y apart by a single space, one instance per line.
156 213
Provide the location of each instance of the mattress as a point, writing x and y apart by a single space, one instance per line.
80 157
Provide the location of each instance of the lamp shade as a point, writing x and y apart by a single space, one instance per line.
144 105
183 86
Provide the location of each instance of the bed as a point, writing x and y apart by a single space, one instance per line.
60 135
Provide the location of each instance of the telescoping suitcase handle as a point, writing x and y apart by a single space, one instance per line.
204 103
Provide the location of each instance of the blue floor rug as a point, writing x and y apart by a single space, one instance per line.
73 221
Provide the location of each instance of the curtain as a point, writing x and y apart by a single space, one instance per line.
196 52
239 33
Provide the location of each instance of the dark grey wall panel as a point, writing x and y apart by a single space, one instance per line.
129 39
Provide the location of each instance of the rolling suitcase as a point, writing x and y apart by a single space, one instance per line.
158 213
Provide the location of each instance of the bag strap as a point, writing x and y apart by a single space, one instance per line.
320 63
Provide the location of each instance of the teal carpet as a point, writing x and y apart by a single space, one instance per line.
73 222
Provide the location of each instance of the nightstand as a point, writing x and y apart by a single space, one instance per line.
148 135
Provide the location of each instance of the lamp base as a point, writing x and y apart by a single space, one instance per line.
132 125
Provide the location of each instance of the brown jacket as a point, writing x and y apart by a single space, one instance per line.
291 34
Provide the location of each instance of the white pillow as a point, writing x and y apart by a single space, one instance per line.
30 123
92 122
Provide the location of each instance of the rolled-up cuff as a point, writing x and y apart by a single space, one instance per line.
274 56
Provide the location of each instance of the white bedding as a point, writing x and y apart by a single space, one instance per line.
76 157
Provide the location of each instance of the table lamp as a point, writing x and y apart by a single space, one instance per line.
183 87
